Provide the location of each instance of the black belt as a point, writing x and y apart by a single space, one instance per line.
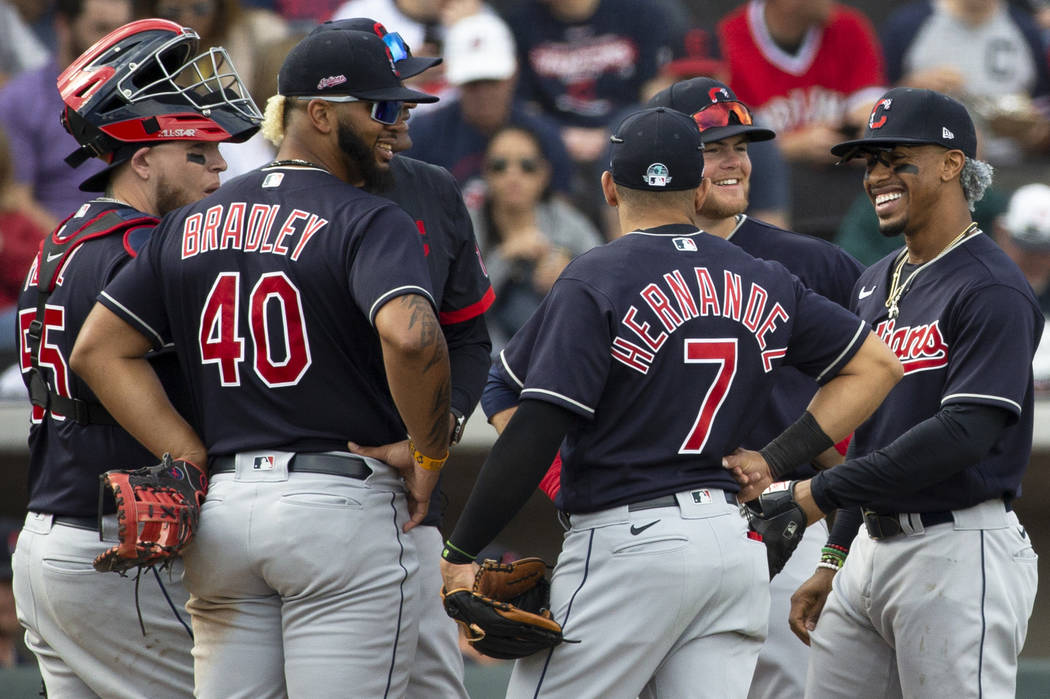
885 526
332 464
670 501
90 523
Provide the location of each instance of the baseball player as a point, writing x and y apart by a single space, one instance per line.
937 590
301 312
726 128
462 292
136 99
666 362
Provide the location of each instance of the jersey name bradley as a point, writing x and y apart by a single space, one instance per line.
236 226
639 352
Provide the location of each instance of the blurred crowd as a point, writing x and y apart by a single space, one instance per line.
531 88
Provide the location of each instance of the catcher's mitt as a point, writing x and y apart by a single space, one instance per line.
505 615
780 521
158 508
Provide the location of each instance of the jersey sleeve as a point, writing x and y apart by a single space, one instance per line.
468 292
982 368
387 260
135 293
824 336
573 321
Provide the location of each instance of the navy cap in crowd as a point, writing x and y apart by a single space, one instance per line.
658 150
910 116
346 62
714 107
407 64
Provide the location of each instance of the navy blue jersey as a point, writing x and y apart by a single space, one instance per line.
429 195
822 267
67 457
663 341
967 331
269 289
583 73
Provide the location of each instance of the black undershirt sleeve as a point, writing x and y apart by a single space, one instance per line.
469 347
847 523
511 473
931 451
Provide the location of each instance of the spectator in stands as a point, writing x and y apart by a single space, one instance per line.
526 236
12 649
1001 74
811 70
45 188
480 60
1023 232
19 241
19 48
584 61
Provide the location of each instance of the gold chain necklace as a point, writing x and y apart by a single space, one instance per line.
897 289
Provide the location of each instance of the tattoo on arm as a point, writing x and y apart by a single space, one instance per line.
421 318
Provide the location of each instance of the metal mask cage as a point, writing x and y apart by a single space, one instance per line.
206 81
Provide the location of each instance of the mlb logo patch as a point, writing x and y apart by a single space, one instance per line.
657 175
273 180
701 497
263 463
684 244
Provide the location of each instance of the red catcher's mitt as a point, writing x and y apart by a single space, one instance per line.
505 615
158 508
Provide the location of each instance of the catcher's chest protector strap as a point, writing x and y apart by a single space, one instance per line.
54 252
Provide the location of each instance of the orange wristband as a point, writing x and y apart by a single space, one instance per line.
425 462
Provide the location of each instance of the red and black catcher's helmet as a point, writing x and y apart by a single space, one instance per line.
144 84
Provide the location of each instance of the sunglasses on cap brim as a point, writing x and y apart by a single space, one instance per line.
399 50
721 114
385 112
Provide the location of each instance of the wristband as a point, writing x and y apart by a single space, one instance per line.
425 462
799 444
460 423
455 555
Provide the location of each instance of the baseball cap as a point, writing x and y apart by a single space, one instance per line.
713 104
658 150
910 116
347 62
479 47
407 64
1027 218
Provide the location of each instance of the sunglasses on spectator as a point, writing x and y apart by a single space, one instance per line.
386 112
498 166
721 113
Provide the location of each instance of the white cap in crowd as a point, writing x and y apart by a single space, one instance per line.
1027 219
479 47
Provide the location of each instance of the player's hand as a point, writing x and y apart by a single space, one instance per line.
808 602
750 470
419 482
456 576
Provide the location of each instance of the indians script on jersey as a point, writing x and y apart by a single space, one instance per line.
235 226
642 337
919 347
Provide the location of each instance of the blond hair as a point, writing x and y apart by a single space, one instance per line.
273 120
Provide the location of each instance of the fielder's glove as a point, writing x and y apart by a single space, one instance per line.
506 615
780 521
158 508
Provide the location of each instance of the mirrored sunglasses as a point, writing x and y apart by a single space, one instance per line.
498 166
385 112
399 50
721 114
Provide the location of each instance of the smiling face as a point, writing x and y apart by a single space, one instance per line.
728 166
361 138
904 185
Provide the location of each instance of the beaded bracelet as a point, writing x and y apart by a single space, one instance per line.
829 566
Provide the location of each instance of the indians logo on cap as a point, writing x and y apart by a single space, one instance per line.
657 175
878 118
715 92
331 81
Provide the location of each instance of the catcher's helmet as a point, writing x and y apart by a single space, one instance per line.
145 83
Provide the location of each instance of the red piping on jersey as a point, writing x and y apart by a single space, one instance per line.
127 248
472 311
